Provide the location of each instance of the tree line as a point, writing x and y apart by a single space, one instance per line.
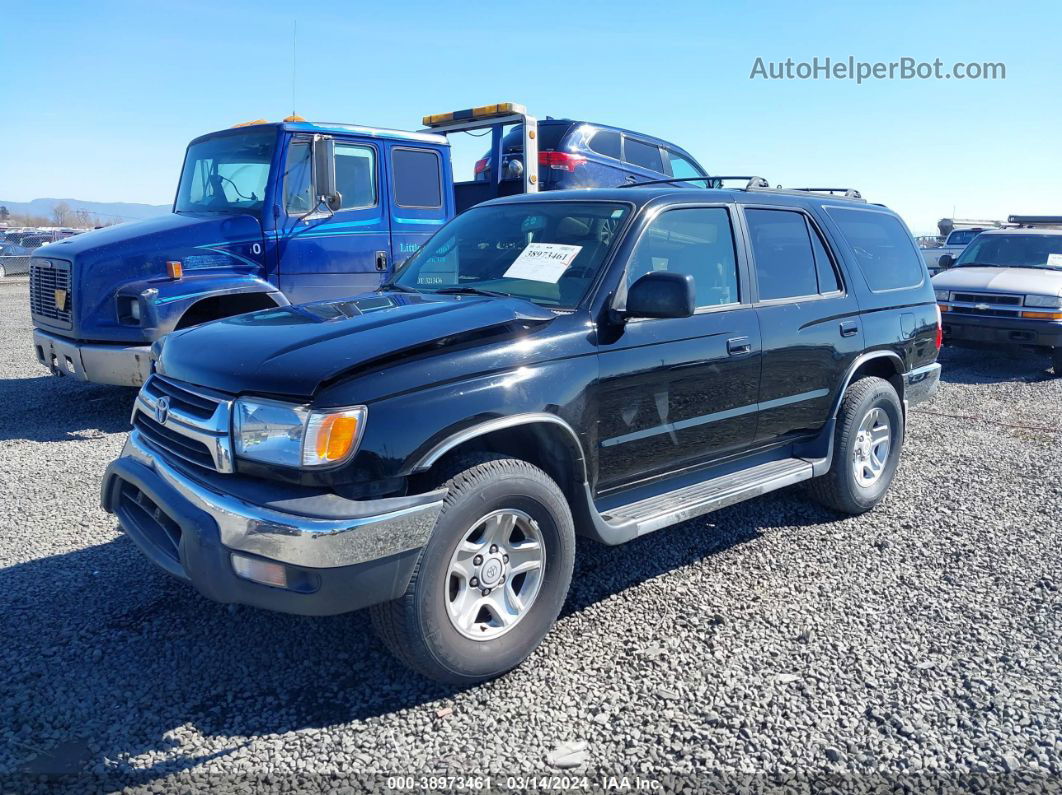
62 215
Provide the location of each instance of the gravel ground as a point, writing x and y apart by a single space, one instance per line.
767 643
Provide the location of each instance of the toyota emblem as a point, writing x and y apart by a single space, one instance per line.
162 410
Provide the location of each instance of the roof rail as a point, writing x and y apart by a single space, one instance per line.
712 182
848 193
1035 220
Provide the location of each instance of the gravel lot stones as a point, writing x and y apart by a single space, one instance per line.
771 642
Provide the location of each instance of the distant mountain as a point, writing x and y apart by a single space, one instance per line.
110 211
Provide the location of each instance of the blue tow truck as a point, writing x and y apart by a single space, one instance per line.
269 214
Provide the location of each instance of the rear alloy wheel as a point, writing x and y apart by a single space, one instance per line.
866 448
492 578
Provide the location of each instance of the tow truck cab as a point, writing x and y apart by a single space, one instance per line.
266 214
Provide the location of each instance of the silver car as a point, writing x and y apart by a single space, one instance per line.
1005 289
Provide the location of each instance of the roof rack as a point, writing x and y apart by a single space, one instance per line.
848 193
1035 220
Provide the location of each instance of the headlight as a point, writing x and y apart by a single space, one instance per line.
1051 301
942 295
290 435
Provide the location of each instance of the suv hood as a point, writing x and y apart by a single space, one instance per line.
293 350
1038 281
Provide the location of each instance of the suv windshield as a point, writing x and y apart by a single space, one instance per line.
226 174
1014 251
546 252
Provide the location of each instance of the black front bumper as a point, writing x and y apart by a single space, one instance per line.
962 329
185 541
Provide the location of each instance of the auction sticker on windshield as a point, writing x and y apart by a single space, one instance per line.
543 262
1054 260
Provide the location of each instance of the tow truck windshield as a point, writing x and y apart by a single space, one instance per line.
226 174
546 252
1014 251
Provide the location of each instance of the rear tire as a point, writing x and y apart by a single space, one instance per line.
500 515
866 450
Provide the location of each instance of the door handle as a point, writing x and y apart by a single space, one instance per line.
738 346
849 328
381 260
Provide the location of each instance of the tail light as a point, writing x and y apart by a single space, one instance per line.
560 161
940 329
482 165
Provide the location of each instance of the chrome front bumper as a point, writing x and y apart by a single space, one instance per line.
120 365
345 533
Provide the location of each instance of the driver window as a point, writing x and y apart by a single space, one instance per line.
298 190
697 241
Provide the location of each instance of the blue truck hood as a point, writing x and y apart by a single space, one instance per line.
292 351
132 257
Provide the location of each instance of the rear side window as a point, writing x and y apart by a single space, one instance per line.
607 143
781 247
642 154
417 177
883 248
828 282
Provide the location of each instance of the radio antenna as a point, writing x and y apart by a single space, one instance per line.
294 50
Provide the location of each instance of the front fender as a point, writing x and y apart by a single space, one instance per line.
162 304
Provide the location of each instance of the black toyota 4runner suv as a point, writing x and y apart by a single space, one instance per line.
603 363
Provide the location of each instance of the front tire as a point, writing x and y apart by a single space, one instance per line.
866 448
492 578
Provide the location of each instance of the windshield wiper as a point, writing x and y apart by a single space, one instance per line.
471 291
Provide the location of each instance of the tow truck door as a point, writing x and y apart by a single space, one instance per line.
325 254
420 196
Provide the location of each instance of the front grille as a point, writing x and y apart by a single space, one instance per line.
169 441
46 277
971 310
185 422
149 521
987 298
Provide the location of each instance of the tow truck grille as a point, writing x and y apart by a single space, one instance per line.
47 278
185 422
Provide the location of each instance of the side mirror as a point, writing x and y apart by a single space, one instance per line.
324 171
661 294
945 261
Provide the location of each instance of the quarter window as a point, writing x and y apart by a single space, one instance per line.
882 246
828 282
785 264
356 175
418 177
696 241
642 154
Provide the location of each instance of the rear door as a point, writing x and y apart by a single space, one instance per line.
326 254
675 392
419 200
809 319
643 159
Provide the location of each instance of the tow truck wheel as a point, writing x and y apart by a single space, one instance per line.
866 448
492 578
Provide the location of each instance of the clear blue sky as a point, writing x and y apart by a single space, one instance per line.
100 99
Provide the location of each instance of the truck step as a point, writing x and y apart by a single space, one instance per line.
672 507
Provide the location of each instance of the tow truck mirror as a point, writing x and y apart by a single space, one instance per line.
945 261
661 294
324 172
